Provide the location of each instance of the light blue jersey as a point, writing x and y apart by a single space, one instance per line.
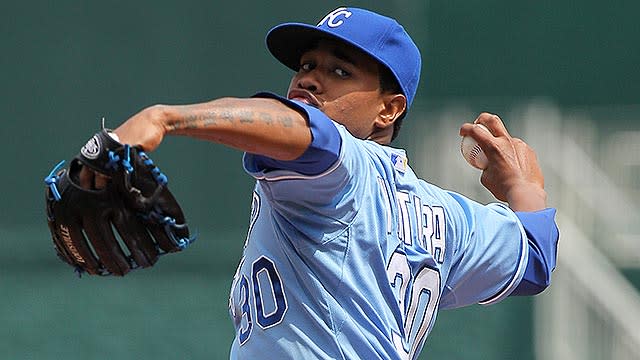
356 261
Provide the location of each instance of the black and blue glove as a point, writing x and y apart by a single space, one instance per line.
125 225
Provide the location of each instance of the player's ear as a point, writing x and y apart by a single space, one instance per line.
393 105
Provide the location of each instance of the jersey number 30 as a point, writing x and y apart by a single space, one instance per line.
418 297
269 298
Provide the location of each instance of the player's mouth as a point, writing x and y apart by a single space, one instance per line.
304 96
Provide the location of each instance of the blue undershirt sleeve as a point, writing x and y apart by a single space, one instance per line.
323 151
543 235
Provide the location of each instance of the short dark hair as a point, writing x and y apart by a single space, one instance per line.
389 84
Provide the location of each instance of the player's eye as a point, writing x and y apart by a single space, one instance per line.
341 72
306 66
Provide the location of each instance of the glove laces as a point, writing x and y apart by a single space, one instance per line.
52 179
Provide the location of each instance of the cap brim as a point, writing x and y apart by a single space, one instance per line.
287 42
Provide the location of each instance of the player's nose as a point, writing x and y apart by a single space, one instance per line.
309 81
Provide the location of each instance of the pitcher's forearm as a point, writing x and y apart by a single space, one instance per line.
261 126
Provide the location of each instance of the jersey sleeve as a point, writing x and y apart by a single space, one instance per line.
490 259
542 234
315 197
323 151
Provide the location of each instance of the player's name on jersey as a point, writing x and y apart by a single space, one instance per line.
418 223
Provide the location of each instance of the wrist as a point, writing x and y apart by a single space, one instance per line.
160 117
527 197
146 128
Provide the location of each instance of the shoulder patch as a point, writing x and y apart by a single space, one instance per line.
400 162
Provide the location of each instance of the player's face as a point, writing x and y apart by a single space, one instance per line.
342 82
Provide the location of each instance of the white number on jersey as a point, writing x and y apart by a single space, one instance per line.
418 298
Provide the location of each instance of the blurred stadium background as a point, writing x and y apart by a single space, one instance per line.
565 75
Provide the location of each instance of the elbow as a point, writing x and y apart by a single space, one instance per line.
542 233
529 288
537 276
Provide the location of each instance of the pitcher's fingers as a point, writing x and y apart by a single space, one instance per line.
493 123
100 181
92 180
477 132
86 177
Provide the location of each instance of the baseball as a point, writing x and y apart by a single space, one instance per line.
472 152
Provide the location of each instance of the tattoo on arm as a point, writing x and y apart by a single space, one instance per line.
246 116
226 115
285 121
201 120
266 117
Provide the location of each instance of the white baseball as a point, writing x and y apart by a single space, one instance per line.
472 152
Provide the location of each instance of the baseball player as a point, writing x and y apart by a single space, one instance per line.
349 255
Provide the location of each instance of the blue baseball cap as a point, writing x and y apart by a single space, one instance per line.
381 37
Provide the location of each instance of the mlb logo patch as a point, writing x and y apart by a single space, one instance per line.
400 162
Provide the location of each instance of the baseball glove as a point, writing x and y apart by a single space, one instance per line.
127 224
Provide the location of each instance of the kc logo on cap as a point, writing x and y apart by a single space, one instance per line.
332 19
